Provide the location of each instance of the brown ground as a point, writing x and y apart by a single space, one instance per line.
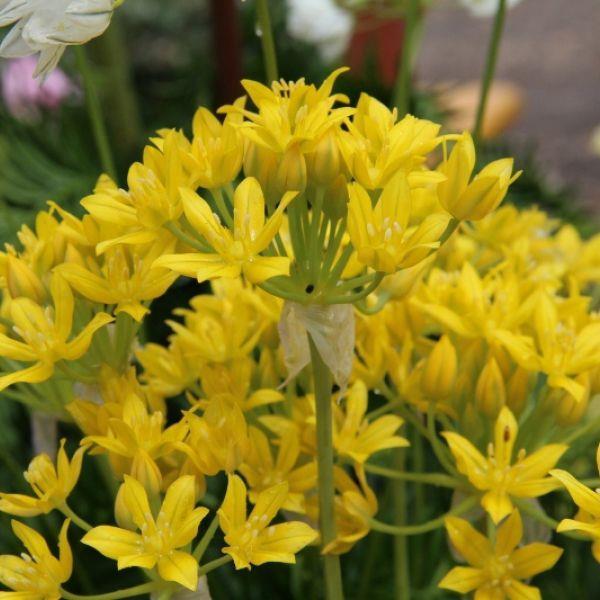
552 50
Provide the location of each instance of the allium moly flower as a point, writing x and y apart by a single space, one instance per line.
320 22
160 537
37 574
587 520
47 27
51 484
485 8
44 333
497 570
236 252
497 475
251 539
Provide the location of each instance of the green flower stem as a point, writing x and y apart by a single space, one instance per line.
275 290
214 564
200 549
438 448
540 516
339 267
266 38
322 388
435 479
403 81
593 483
73 374
66 510
138 590
95 113
490 67
222 206
401 562
335 238
436 523
352 298
185 238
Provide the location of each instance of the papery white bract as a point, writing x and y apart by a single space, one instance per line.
47 27
485 8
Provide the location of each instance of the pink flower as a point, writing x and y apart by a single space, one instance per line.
25 96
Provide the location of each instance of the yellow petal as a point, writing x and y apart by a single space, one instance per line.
34 374
80 344
64 551
87 283
583 496
232 513
473 546
180 567
520 591
113 542
505 434
201 266
136 501
279 543
468 459
269 502
22 506
497 503
463 580
509 534
36 545
533 559
537 464
261 268
15 350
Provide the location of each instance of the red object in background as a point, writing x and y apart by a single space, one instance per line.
381 38
227 44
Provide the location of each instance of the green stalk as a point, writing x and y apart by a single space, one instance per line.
95 113
200 549
138 590
267 41
66 510
214 564
490 67
322 388
435 479
402 89
401 565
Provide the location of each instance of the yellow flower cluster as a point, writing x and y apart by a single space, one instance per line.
471 326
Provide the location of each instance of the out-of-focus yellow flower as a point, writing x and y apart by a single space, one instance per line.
218 441
262 472
51 484
237 251
37 574
127 278
137 439
377 145
439 371
472 200
381 236
357 438
587 520
21 280
251 539
44 332
497 570
157 545
497 475
490 391
561 348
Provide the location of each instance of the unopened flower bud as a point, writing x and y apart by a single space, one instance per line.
335 205
22 280
517 390
291 172
261 164
323 165
490 392
568 410
439 374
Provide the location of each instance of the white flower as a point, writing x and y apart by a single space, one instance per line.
485 8
320 22
47 27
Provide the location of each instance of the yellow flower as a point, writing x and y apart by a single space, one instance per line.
236 252
439 371
587 521
354 436
44 332
51 484
497 475
490 391
472 200
381 236
38 574
377 145
161 536
262 472
126 278
136 440
496 570
251 539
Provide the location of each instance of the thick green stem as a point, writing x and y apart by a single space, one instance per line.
267 40
322 388
490 67
95 113
402 88
401 565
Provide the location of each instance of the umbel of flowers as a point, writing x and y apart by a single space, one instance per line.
342 243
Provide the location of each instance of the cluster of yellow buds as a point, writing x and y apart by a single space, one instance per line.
331 233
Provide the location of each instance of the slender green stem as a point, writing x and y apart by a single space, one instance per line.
401 564
438 449
66 510
214 564
352 298
200 549
138 590
436 523
435 479
542 517
95 113
322 388
185 238
266 38
403 82
593 483
222 206
490 67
